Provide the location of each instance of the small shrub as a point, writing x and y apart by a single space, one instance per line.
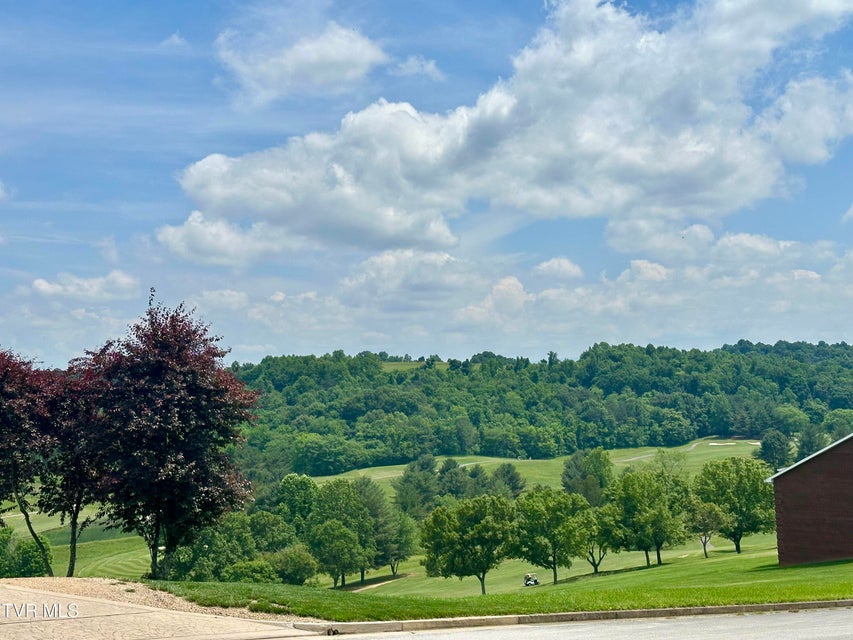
293 564
20 558
250 571
7 549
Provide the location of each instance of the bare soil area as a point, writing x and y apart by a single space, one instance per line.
137 593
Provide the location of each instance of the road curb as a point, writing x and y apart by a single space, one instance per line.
340 628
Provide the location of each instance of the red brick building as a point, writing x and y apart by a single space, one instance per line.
814 506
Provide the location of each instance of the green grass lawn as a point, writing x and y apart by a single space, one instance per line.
548 472
685 579
507 578
125 557
101 552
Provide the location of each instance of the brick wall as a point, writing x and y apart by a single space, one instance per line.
814 508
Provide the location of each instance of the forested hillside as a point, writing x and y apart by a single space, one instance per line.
324 415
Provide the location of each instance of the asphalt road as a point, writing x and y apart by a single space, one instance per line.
821 624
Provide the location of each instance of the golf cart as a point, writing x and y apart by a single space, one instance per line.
531 579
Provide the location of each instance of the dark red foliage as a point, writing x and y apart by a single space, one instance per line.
170 411
24 440
22 414
71 474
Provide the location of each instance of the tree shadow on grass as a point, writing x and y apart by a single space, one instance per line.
774 566
612 572
375 581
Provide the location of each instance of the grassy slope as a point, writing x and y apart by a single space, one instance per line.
125 557
685 579
508 576
101 552
112 554
548 472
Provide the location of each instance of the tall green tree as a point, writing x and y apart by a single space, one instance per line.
838 423
170 412
790 419
775 449
704 519
417 489
382 519
270 531
647 516
469 538
404 540
589 473
598 527
339 500
811 439
337 549
548 534
453 480
216 548
295 499
506 478
738 487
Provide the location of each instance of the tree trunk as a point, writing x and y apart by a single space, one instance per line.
657 551
737 543
482 579
362 575
648 562
394 565
72 546
343 580
42 551
705 540
153 544
594 559
554 569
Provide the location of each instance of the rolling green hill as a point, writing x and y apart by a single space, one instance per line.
110 553
324 415
547 472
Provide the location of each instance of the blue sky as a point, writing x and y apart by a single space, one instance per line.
427 177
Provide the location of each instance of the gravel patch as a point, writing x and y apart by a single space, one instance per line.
138 593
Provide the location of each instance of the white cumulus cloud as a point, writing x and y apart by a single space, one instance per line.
606 114
115 285
409 279
560 268
227 299
175 42
328 61
810 118
220 242
419 66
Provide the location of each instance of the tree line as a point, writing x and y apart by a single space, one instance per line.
136 433
465 521
323 415
645 509
301 528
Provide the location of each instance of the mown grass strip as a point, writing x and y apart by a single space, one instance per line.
722 581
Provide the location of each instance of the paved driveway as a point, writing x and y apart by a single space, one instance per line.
815 624
27 613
